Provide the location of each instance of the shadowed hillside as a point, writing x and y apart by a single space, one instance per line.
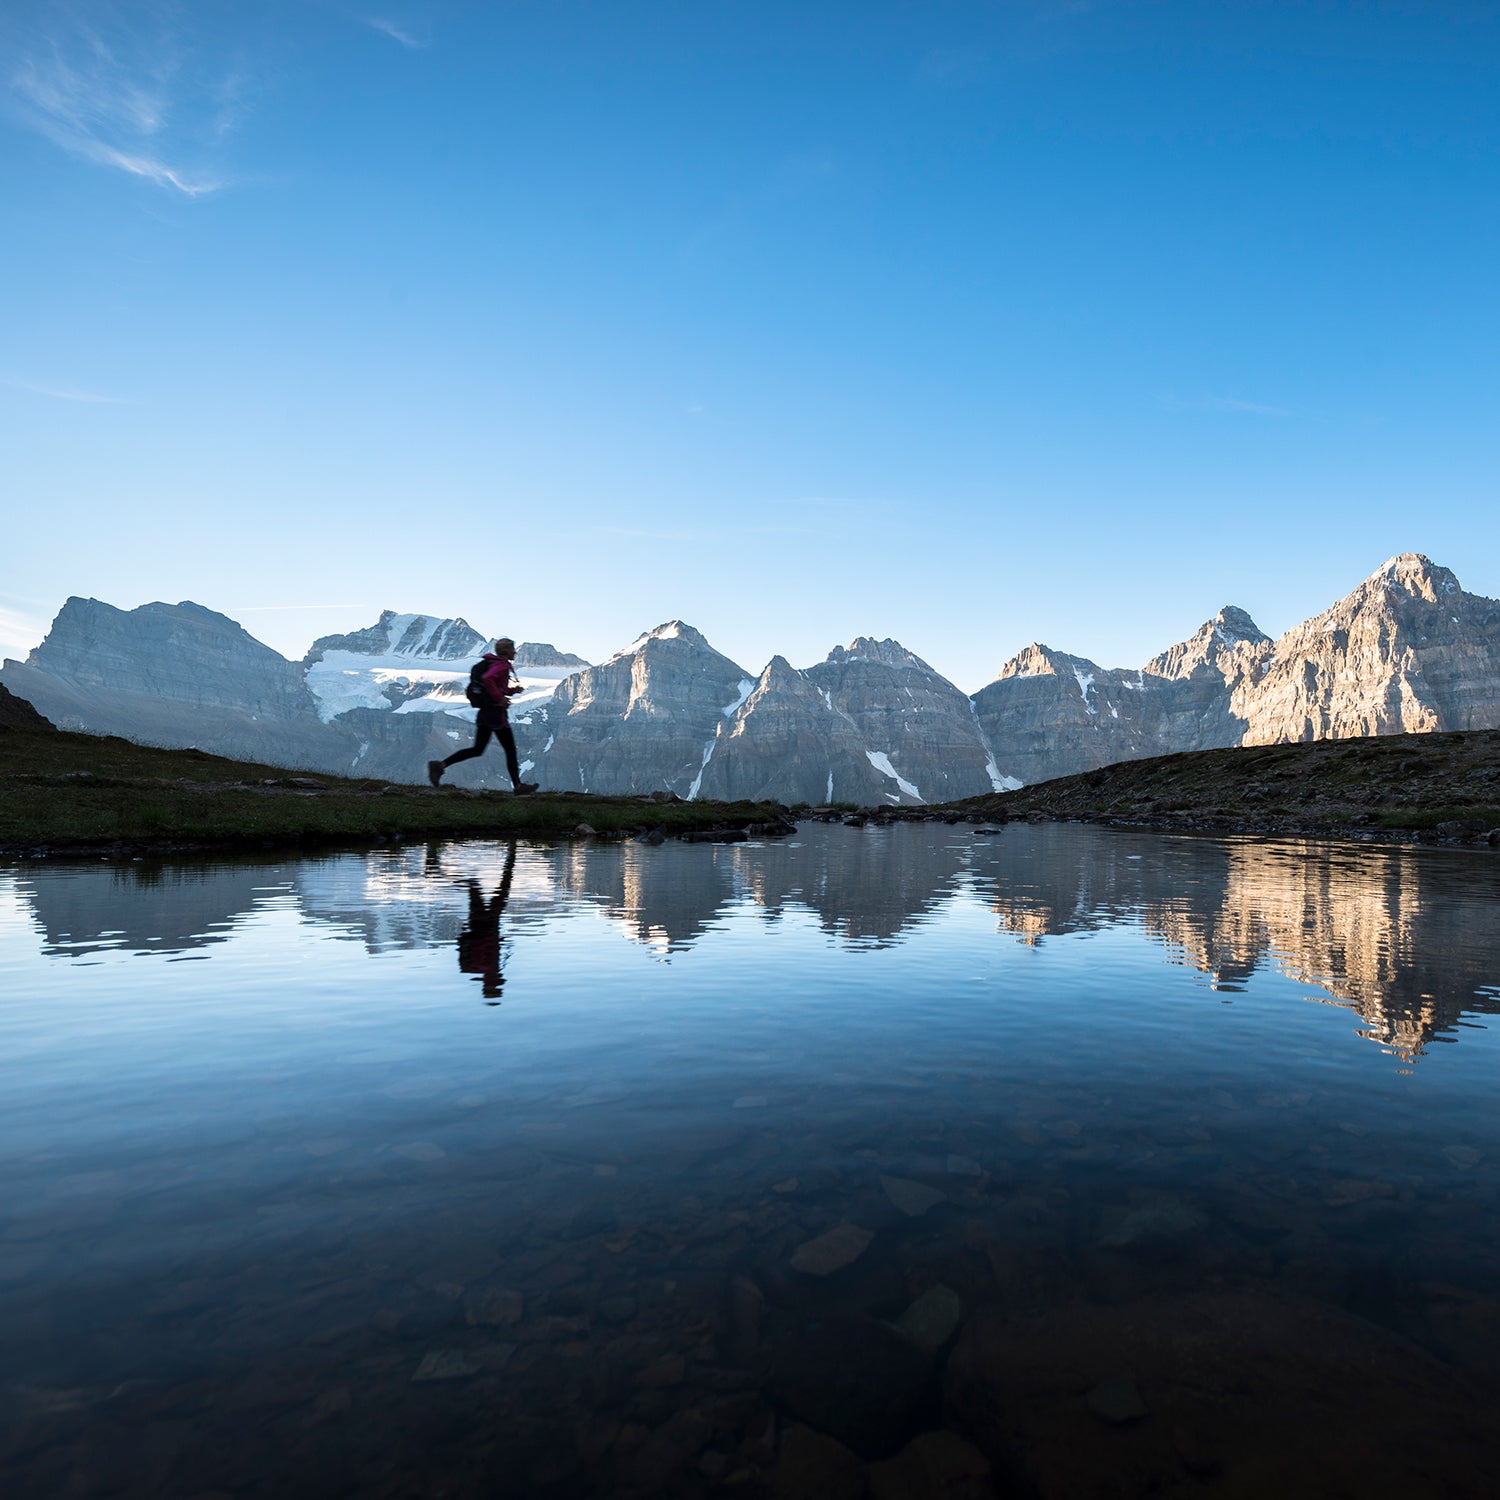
1428 786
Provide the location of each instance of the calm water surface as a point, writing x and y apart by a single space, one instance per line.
894 1162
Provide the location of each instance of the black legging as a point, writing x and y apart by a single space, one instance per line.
490 723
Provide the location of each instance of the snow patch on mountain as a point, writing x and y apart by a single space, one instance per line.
882 763
413 664
708 755
745 689
1000 782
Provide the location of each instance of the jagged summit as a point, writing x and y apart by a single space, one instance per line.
671 630
1234 624
678 630
1415 574
1037 660
887 653
425 636
1219 647
545 654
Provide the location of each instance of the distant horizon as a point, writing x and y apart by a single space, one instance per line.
362 619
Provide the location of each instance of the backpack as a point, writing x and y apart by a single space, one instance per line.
475 692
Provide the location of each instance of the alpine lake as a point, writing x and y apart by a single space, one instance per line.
1052 1161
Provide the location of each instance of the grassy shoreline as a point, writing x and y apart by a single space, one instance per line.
73 794
76 794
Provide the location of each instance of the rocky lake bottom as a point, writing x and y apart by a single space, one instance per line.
911 1161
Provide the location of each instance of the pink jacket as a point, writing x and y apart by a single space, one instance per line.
495 679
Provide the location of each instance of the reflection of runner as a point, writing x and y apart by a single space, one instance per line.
480 943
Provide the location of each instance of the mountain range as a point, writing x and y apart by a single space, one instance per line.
1406 651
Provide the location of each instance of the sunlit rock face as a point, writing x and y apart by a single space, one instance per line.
1050 714
1407 651
648 719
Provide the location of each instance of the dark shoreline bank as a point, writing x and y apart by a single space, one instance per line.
1404 788
72 795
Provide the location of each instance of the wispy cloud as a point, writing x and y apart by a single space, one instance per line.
1230 404
62 392
116 86
391 29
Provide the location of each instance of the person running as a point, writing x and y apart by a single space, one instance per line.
498 683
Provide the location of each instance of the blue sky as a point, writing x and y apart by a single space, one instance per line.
969 324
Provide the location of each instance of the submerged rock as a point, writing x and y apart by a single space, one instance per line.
832 1251
445 1364
931 1320
912 1198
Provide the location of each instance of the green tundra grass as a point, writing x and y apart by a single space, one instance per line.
72 792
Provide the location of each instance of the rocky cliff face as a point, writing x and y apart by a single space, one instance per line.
178 653
170 674
789 742
1046 708
1407 651
871 724
648 719
531 655
1050 714
918 731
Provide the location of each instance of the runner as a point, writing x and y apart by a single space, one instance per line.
498 685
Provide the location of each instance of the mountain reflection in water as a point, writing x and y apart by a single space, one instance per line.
883 1162
1405 937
